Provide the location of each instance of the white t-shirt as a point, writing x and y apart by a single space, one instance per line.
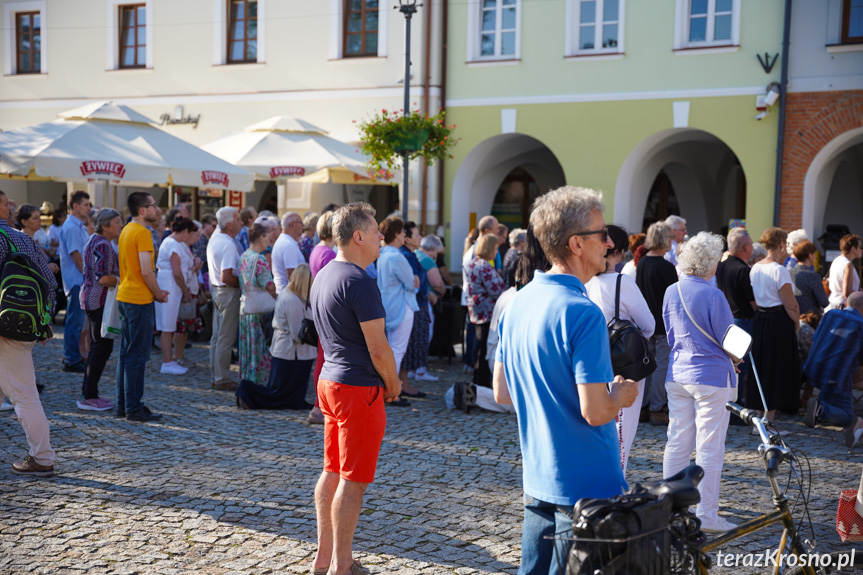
837 272
629 269
286 256
633 307
766 280
54 234
41 239
222 254
465 264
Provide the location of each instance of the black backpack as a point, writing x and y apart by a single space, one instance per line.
25 306
630 350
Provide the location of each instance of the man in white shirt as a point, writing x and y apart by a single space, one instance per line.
678 234
223 259
286 250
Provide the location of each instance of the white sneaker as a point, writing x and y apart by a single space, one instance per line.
173 368
718 525
6 406
426 377
411 374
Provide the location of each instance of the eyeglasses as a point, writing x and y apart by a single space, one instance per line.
603 234
153 205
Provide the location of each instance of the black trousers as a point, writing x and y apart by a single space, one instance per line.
481 370
100 351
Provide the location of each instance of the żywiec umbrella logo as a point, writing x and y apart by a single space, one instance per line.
100 167
214 177
279 171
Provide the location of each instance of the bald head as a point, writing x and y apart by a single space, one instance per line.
855 300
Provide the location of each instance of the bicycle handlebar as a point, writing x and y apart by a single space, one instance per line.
743 413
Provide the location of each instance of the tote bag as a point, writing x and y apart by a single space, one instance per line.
111 316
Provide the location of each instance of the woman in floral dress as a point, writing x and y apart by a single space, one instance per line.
256 283
485 284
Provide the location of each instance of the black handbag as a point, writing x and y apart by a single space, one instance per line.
308 332
630 350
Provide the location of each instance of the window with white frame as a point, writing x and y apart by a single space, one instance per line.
26 43
597 26
498 33
358 29
707 23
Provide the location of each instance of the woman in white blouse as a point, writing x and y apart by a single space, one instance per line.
774 331
601 290
292 360
844 279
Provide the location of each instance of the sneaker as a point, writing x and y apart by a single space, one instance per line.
143 415
106 403
718 525
79 367
426 376
173 368
813 412
30 467
6 406
853 433
96 404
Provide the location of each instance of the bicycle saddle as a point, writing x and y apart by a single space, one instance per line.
681 488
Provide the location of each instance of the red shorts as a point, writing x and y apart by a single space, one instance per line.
354 428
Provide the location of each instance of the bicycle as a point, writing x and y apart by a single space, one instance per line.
652 529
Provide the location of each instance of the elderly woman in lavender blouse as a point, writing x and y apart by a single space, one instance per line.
701 377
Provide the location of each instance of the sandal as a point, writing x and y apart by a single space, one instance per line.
356 569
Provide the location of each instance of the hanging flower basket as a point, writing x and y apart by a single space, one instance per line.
388 136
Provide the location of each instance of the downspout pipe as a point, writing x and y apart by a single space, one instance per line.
783 95
443 68
426 111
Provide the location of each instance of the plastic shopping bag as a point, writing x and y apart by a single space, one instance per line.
111 316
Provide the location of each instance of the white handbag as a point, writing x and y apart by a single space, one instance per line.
256 300
111 327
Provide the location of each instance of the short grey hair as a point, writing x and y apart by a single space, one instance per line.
658 236
267 221
350 218
699 255
794 238
288 216
226 215
560 214
103 218
517 236
431 244
736 239
759 252
310 221
675 221
324 227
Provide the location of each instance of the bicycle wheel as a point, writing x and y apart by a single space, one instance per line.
836 558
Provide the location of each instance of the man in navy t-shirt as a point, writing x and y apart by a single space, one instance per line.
358 376
553 364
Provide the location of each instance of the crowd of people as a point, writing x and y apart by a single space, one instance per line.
352 302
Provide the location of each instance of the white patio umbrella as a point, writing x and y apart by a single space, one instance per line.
283 148
106 141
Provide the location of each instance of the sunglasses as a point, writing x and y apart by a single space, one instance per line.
603 234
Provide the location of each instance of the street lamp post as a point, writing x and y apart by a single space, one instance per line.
408 8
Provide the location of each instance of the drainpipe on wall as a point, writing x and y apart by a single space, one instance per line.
443 65
426 108
783 95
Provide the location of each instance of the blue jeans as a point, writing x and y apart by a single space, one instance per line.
541 555
135 344
838 405
746 325
72 330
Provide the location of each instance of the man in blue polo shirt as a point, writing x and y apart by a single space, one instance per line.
73 236
555 357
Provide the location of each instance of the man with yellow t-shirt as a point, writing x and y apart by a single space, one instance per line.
135 295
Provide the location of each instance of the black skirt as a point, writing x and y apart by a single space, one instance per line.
286 389
774 348
417 354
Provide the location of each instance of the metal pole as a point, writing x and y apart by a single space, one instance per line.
408 10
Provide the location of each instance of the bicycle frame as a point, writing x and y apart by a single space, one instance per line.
781 515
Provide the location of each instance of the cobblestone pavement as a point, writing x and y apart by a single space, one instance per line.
217 490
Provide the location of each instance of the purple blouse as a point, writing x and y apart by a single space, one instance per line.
100 260
320 256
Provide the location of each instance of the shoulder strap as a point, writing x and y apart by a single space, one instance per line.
617 298
9 241
689 315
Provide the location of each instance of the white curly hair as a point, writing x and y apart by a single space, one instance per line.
699 255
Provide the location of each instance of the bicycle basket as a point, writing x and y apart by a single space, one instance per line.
626 535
